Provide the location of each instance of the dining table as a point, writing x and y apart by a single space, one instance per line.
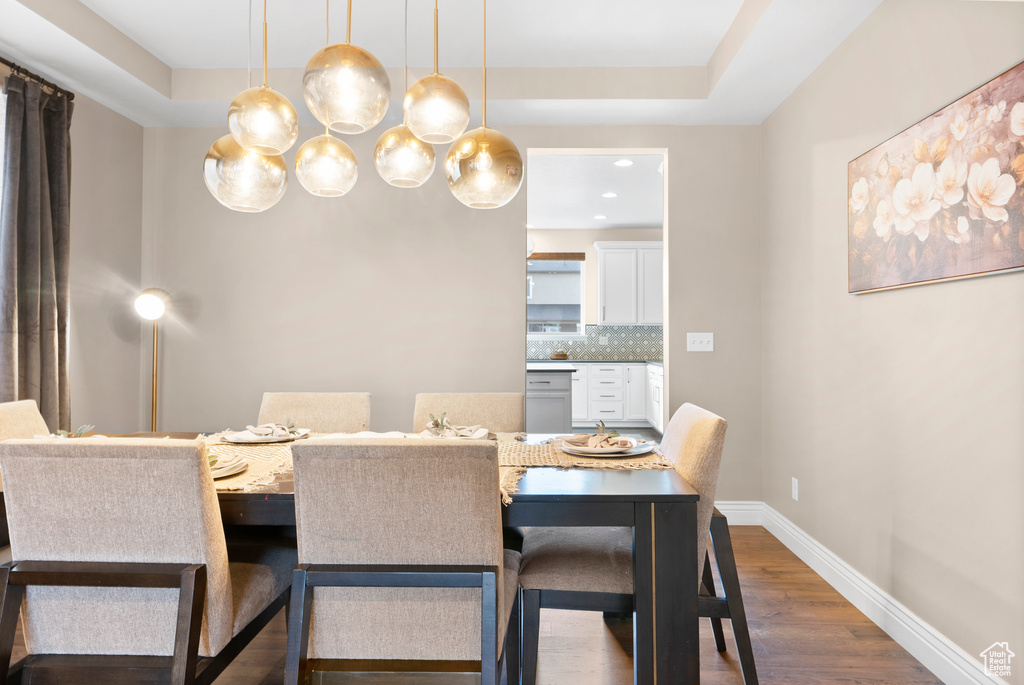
658 504
660 507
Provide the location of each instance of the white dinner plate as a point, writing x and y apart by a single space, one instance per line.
230 469
247 438
611 453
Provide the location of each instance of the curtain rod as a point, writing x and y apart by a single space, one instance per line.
18 69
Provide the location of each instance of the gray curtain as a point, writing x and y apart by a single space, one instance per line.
34 251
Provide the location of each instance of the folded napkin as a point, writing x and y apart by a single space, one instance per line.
599 441
443 428
270 430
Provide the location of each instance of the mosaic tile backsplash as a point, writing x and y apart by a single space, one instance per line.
625 343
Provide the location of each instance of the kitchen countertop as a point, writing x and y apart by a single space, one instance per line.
551 367
588 361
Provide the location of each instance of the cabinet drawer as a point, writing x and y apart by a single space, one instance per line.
606 383
600 395
548 381
606 370
606 410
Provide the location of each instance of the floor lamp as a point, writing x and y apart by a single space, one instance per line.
151 304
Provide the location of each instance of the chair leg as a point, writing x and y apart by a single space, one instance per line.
731 586
708 583
513 642
191 598
489 674
301 602
531 635
12 596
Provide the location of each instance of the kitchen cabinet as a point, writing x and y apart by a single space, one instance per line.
656 396
580 393
630 283
549 399
636 392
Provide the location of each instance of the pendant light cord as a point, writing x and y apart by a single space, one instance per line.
485 66
264 43
435 36
348 26
405 38
248 82
327 39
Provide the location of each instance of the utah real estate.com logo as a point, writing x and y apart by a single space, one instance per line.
997 659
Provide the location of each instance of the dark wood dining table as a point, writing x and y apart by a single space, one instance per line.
660 507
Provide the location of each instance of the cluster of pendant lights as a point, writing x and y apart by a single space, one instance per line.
348 91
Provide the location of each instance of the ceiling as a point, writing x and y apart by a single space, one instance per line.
567 191
650 62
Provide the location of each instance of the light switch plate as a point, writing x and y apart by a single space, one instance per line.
700 342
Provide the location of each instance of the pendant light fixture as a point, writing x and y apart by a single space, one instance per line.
326 166
262 119
401 158
346 88
436 108
484 167
243 179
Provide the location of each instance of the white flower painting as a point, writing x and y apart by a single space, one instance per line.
942 199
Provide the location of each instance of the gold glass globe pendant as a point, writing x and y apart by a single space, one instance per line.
402 159
436 108
242 179
261 119
346 88
483 166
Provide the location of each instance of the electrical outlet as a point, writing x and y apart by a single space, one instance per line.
796 490
602 340
700 342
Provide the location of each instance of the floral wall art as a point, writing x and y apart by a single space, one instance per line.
942 199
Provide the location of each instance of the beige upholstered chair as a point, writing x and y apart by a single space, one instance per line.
592 568
321 412
126 532
400 556
21 420
499 412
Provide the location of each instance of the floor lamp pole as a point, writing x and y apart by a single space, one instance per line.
156 332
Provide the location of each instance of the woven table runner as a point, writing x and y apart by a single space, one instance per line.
266 462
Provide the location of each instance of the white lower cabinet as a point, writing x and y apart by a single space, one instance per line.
636 392
655 396
580 393
548 402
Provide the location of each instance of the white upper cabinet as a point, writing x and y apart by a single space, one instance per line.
630 276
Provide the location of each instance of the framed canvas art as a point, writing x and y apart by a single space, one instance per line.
943 199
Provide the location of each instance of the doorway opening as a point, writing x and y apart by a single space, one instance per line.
597 290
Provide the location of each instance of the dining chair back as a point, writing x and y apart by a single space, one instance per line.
499 412
21 419
119 549
103 500
693 441
388 508
321 412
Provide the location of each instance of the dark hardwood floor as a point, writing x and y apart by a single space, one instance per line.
804 633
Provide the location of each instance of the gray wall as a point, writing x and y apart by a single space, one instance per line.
900 412
403 291
106 246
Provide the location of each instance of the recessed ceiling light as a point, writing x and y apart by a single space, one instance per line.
624 162
609 194
600 217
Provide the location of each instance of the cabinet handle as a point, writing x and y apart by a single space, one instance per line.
540 382
602 312
607 411
606 396
607 382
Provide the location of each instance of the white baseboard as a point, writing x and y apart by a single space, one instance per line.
947 661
